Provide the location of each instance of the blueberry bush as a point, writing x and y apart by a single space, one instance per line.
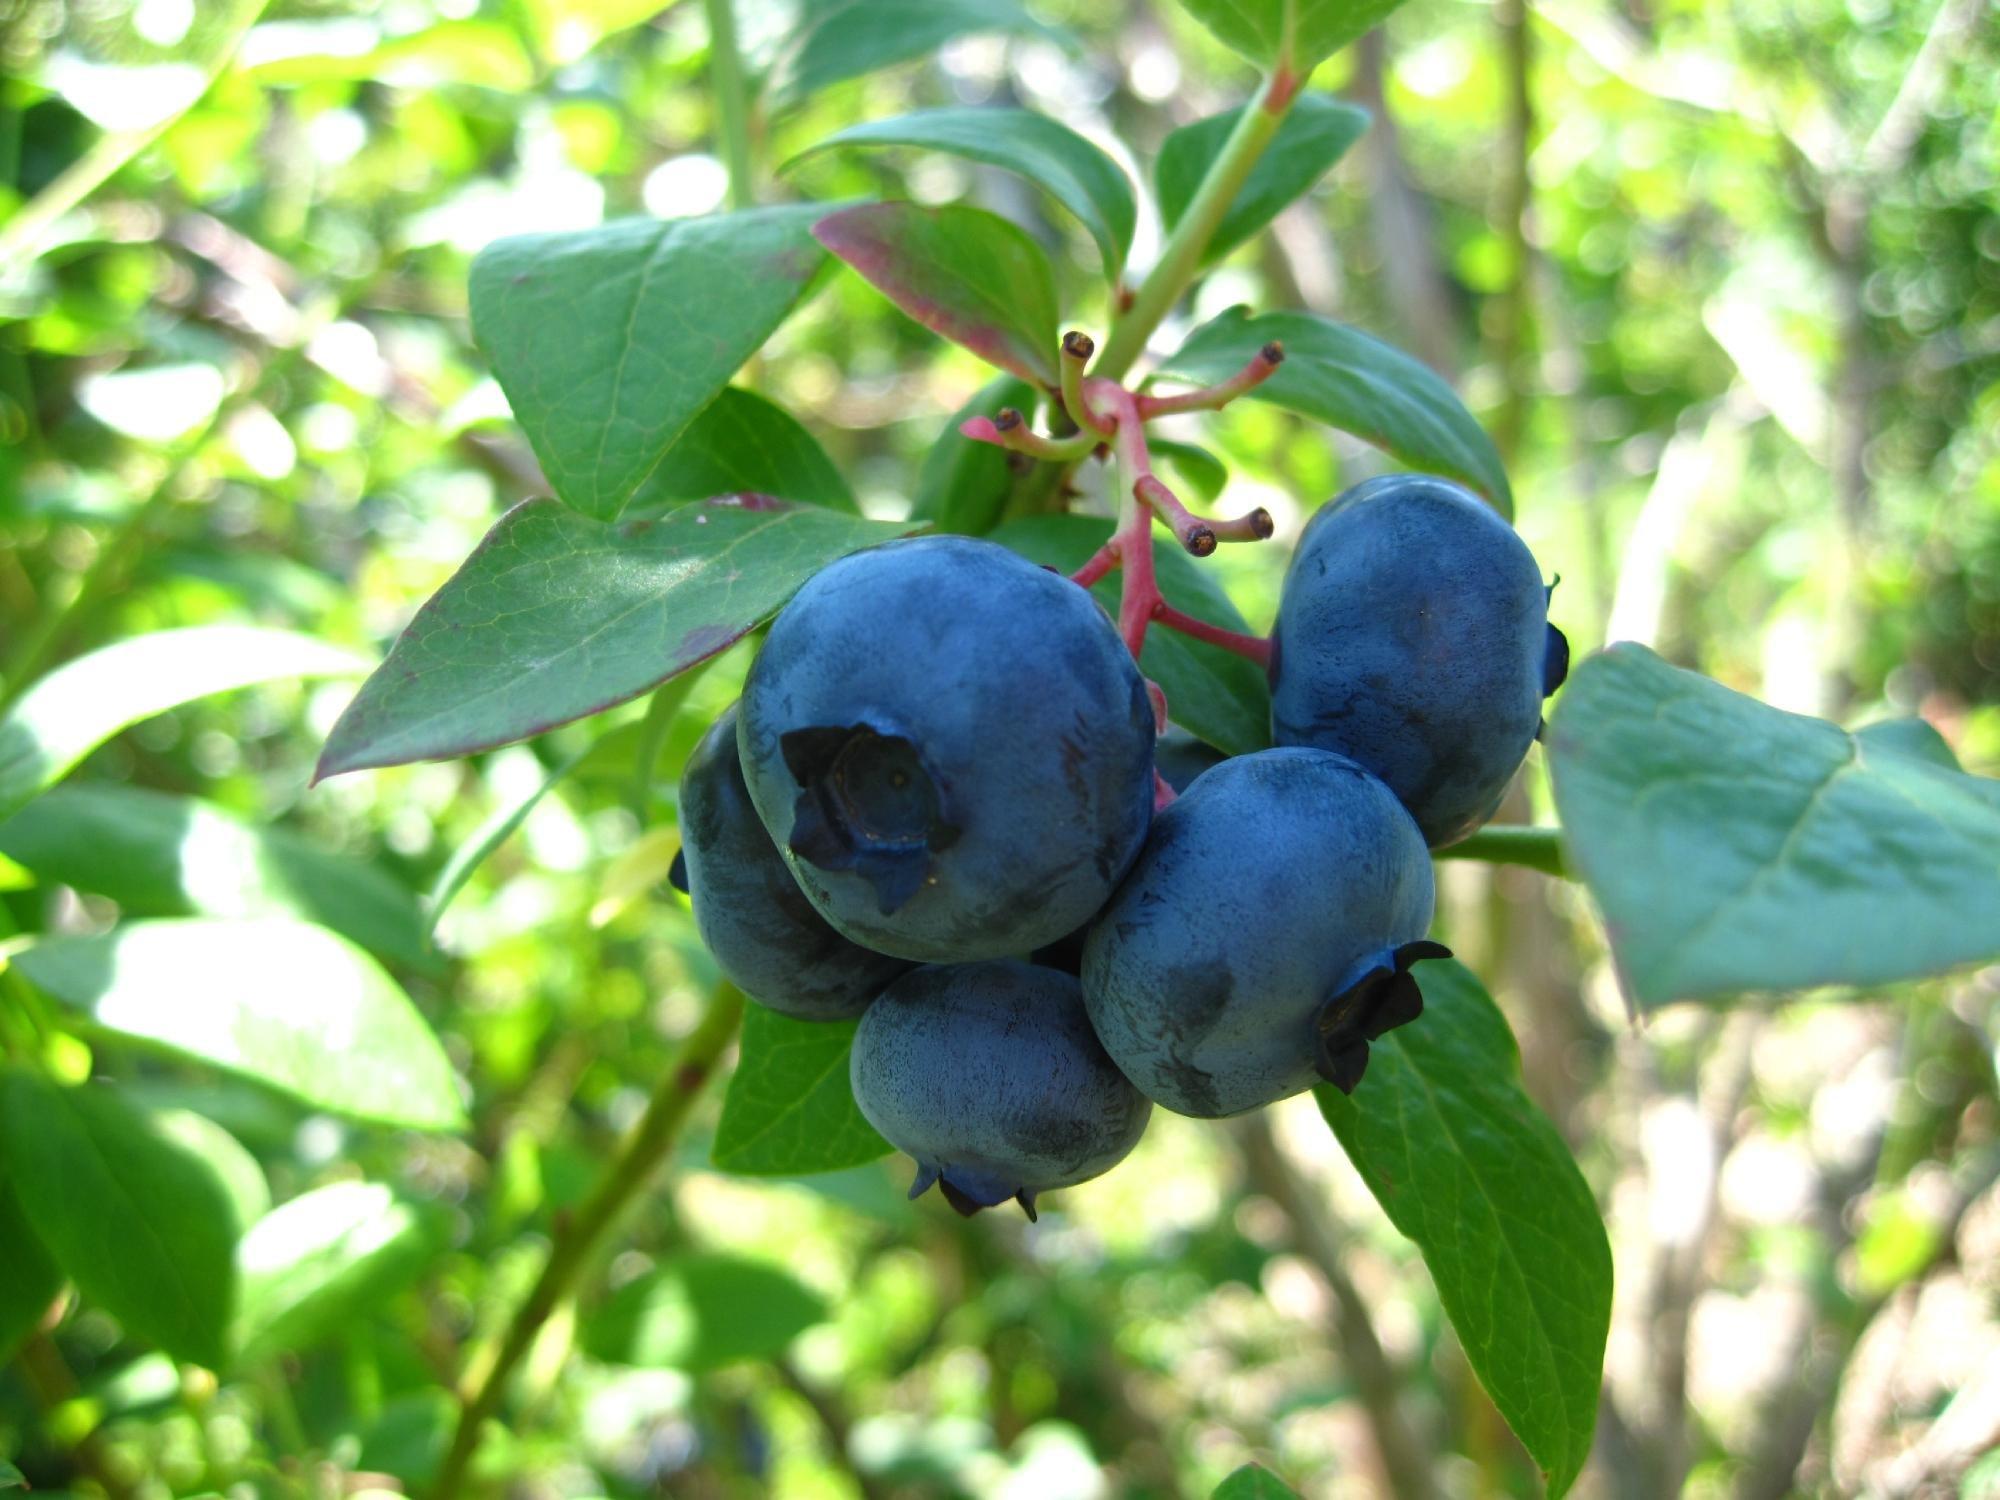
849 741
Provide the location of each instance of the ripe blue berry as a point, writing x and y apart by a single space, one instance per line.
1265 936
988 1075
754 919
952 747
1413 635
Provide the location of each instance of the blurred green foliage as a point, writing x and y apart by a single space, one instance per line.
1724 282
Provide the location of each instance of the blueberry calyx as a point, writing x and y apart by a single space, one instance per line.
677 872
866 803
1379 1001
1555 661
969 1200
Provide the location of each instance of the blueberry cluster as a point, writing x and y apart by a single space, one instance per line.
934 809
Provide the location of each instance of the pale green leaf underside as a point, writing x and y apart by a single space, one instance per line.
312 1265
1468 1169
285 1003
74 709
160 855
1733 846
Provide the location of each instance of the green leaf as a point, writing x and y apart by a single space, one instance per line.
1256 28
789 1109
313 1266
555 616
1049 154
141 1224
498 827
1254 1482
700 1312
1468 1169
81 704
284 1003
29 1277
156 854
965 486
1342 377
11 1478
609 342
1733 846
1214 694
566 30
841 39
1913 737
1315 134
974 277
743 444
1202 472
242 1179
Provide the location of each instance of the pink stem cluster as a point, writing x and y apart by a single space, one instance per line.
1106 413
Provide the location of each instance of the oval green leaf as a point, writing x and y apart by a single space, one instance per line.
1048 153
81 704
835 40
609 342
1733 846
313 1265
159 855
1214 694
1346 379
555 616
29 1277
701 1312
142 1225
963 485
1465 1165
1254 1482
1315 134
743 444
789 1110
974 277
283 1003
1320 28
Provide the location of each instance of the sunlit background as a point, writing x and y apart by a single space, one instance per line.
1722 280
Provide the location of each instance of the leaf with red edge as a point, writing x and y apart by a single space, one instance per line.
972 276
555 616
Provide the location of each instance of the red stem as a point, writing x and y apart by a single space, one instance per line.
1102 561
1263 364
1256 648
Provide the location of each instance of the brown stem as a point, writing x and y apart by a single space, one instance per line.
1367 1363
651 1139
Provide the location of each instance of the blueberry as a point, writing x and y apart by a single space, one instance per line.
1179 757
953 748
1265 936
756 922
1413 635
989 1075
